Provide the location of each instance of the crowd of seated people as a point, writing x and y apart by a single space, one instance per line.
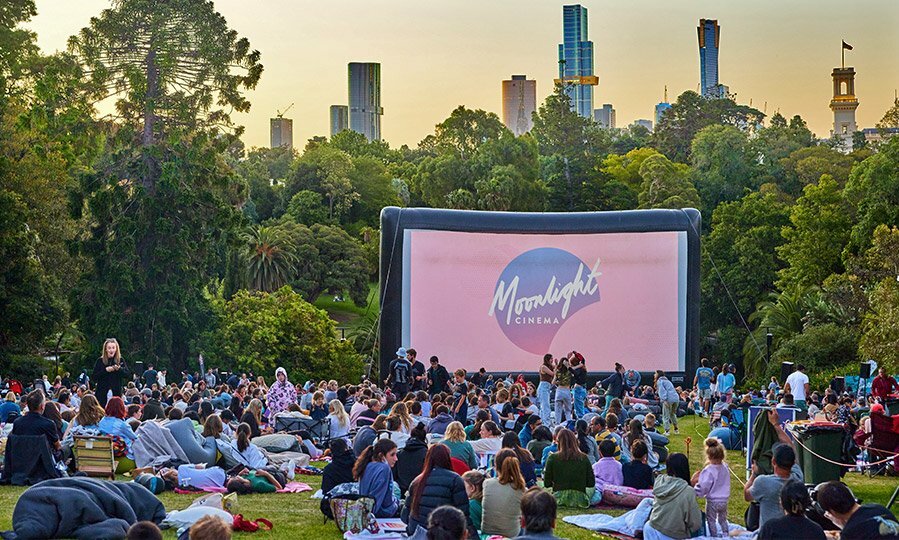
477 444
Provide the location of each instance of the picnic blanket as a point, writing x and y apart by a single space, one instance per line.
629 523
155 446
82 507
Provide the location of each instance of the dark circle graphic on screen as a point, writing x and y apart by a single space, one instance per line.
538 292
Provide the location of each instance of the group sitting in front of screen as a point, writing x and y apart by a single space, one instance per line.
500 452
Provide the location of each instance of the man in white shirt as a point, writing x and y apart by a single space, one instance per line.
797 384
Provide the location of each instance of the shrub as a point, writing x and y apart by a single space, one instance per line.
258 332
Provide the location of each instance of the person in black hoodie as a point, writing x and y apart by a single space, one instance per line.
411 458
153 407
339 471
109 371
436 486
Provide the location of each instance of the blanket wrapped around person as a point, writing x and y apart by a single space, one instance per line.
82 507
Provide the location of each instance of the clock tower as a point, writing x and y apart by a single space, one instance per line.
843 106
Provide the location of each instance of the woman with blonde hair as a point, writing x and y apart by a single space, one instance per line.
339 420
252 416
401 410
109 371
459 448
501 500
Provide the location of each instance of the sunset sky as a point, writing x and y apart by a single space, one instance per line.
438 54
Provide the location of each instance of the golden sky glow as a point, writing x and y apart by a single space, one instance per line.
438 54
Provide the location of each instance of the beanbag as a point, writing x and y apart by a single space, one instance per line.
198 449
624 496
277 442
728 438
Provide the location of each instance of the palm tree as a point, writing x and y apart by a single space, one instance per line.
782 314
270 257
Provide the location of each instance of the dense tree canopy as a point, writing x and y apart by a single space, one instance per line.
156 225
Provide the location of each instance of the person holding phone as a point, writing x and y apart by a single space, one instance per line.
109 371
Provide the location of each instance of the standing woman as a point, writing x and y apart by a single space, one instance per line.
547 372
109 371
281 395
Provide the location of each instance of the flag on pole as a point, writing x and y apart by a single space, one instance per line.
847 46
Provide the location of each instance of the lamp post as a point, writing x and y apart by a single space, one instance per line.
769 338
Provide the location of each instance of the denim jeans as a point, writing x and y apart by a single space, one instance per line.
543 398
580 399
563 405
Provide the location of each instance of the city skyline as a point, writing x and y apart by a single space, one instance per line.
457 54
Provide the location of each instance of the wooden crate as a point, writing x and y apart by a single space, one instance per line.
94 456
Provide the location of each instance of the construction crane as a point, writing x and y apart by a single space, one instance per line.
282 113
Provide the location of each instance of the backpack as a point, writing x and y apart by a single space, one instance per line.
353 514
401 372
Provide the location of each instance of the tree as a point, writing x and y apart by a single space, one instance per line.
266 170
626 168
29 309
162 199
666 184
259 332
465 131
721 170
890 118
880 339
328 261
819 230
374 185
566 163
873 190
333 168
306 207
270 258
806 165
774 143
818 347
780 314
742 244
692 112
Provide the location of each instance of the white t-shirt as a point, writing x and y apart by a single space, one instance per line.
797 381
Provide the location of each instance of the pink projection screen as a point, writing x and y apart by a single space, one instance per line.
503 300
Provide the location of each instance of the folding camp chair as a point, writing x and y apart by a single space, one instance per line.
884 442
94 456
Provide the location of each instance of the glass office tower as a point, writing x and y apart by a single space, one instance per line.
576 60
709 41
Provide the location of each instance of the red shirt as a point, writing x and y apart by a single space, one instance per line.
882 386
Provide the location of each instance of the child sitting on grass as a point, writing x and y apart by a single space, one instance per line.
608 469
636 473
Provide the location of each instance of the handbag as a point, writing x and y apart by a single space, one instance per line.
353 514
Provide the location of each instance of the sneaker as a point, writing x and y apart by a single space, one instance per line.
676 431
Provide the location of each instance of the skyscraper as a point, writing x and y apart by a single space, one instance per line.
605 117
709 42
519 104
365 99
843 106
576 60
339 120
282 132
662 106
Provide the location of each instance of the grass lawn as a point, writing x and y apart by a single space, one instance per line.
298 516
347 313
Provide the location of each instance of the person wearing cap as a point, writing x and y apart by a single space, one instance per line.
400 374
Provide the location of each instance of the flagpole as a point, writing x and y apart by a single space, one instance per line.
842 55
